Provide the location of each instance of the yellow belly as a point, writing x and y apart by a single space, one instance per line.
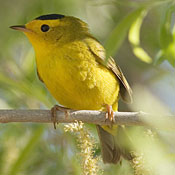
80 83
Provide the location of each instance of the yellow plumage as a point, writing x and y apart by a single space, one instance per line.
70 62
72 74
76 80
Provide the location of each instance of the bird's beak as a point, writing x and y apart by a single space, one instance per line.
20 28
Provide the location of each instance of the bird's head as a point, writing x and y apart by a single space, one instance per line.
53 29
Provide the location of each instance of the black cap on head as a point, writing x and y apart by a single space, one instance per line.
50 17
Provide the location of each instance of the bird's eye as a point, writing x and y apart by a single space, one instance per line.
45 28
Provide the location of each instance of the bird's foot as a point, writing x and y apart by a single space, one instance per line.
54 110
110 114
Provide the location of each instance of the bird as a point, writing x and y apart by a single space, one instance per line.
72 64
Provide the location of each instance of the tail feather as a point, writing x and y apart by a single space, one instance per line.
114 147
110 150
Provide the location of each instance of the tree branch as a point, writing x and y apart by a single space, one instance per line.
95 117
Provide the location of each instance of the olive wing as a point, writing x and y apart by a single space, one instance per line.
99 52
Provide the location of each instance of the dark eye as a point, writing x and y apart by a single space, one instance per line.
45 28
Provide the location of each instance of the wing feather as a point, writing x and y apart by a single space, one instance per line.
39 77
99 52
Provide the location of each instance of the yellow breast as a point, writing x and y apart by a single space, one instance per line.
75 79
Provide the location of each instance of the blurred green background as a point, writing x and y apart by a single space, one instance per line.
139 34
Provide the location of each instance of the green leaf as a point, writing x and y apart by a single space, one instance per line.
166 54
169 54
118 35
134 31
134 39
166 36
141 54
26 151
158 58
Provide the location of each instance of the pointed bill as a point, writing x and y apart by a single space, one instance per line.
20 28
